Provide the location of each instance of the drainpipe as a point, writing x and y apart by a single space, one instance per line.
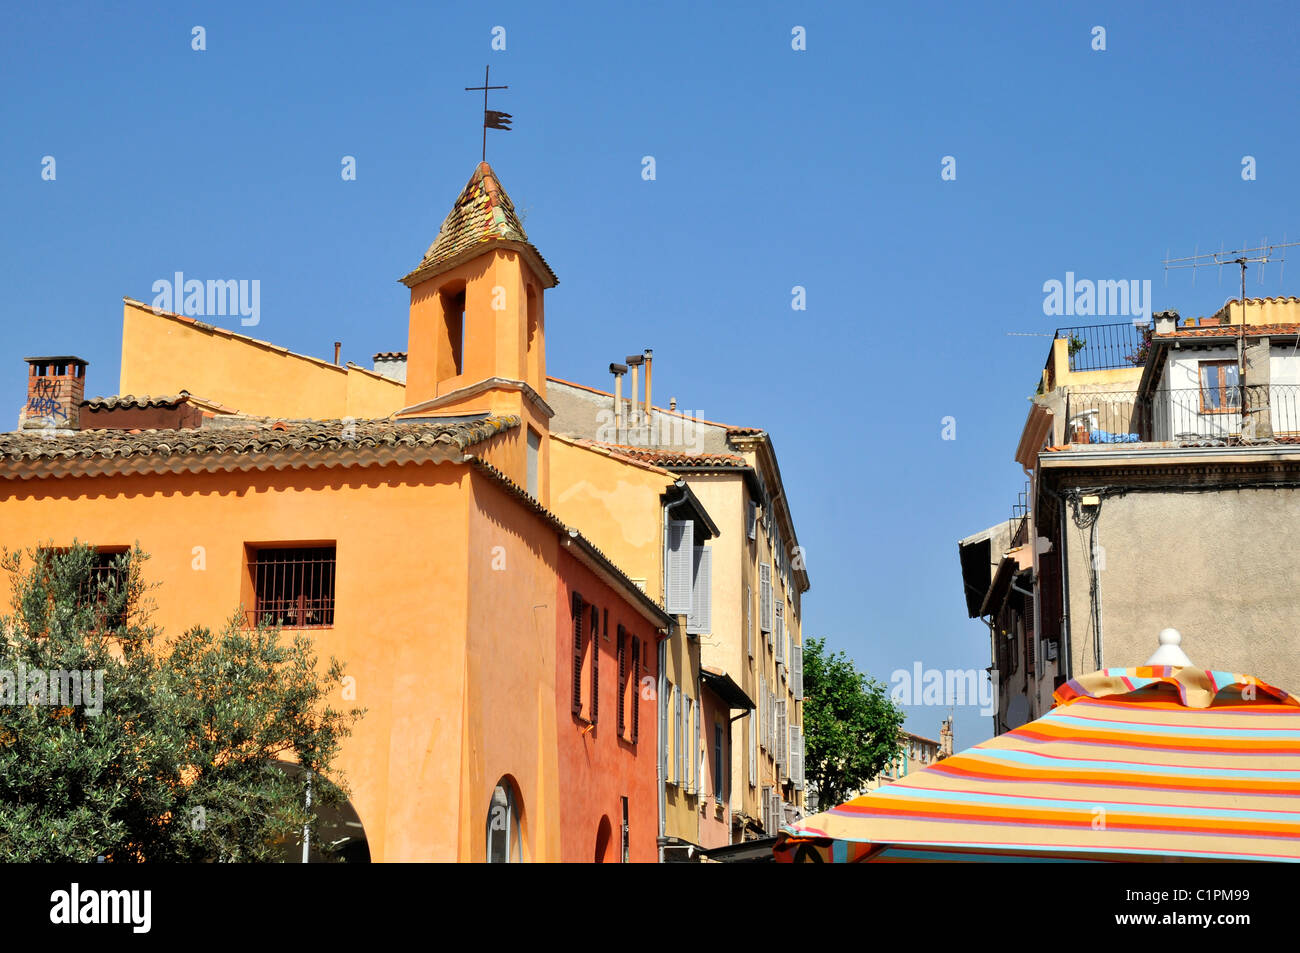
664 730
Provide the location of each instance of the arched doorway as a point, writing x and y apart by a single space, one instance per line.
340 835
604 833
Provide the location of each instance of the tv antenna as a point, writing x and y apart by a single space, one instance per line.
1260 254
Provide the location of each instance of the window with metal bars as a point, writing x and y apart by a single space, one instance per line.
293 587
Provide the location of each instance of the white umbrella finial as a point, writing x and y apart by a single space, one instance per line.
1170 652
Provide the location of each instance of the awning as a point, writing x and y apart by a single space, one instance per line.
725 688
1151 763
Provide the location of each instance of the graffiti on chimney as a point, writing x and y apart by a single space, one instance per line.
44 403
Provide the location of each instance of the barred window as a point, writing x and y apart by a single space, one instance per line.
293 587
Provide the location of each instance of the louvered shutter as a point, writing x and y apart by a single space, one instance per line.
762 711
577 654
796 756
636 689
752 528
681 556
622 682
595 664
700 620
797 665
753 750
677 729
778 633
697 748
749 620
765 597
782 743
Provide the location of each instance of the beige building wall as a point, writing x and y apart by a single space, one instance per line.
1221 566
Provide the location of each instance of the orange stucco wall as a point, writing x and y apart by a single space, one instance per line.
408 589
165 354
598 766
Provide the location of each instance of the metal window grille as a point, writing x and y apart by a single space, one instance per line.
106 578
294 587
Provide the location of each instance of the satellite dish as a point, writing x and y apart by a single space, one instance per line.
1017 711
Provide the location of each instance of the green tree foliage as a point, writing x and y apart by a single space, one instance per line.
186 758
852 726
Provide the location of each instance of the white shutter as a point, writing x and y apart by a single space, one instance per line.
749 619
778 634
753 520
782 743
677 731
697 782
796 756
680 570
796 659
765 597
700 619
753 750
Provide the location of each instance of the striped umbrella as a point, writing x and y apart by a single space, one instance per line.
1150 763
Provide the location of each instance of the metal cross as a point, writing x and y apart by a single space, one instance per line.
491 118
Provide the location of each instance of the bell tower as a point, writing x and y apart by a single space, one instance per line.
477 337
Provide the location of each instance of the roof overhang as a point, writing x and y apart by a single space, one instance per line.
1037 426
525 249
681 495
722 685
473 390
591 557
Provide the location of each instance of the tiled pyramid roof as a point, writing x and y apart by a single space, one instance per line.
482 213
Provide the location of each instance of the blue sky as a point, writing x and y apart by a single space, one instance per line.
775 168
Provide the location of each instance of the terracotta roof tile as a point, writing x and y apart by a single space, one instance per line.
1231 330
675 458
482 212
250 438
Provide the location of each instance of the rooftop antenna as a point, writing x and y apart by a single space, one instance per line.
1261 255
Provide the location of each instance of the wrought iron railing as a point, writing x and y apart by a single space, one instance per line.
1102 347
1183 415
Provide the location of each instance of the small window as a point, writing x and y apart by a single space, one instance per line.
504 843
1220 393
293 588
534 449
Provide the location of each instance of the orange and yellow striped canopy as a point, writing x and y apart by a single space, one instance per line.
1131 764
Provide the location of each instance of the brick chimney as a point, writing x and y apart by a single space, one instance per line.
56 386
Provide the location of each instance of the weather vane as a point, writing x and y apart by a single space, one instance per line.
491 118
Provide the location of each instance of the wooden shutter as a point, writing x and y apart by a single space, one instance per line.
577 654
677 733
622 682
765 597
700 620
749 619
762 710
681 555
782 742
636 689
752 528
595 664
796 652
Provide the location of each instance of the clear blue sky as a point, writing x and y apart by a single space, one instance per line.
775 168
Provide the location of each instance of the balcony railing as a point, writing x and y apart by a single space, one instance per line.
1103 347
1191 414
